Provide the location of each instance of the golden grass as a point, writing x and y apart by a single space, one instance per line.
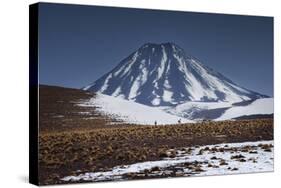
100 149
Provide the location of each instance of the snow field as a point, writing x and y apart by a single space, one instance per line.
235 161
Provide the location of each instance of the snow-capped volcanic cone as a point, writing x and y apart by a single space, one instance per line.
162 74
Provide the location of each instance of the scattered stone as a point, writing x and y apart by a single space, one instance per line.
221 149
205 162
214 149
206 149
187 164
237 156
201 151
183 149
222 162
156 168
266 147
198 169
172 154
268 150
245 150
130 174
163 154
242 160
146 171
189 150
179 173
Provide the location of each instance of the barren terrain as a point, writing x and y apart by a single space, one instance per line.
75 140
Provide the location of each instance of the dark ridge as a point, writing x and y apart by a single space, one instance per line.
258 116
243 103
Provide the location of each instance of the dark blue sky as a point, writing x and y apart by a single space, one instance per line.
78 44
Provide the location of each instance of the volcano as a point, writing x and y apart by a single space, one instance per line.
164 75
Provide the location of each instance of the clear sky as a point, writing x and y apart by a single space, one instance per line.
78 44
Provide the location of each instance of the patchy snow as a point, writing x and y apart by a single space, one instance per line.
228 110
156 85
168 68
131 112
125 69
144 74
217 83
156 101
85 113
191 84
203 105
134 89
239 89
167 96
167 84
259 106
220 159
87 87
116 92
139 81
186 109
161 67
105 84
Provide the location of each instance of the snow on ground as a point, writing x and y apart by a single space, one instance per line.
186 109
220 159
130 111
259 106
167 96
203 105
105 84
161 68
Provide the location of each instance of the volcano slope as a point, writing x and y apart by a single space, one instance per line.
164 74
74 139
